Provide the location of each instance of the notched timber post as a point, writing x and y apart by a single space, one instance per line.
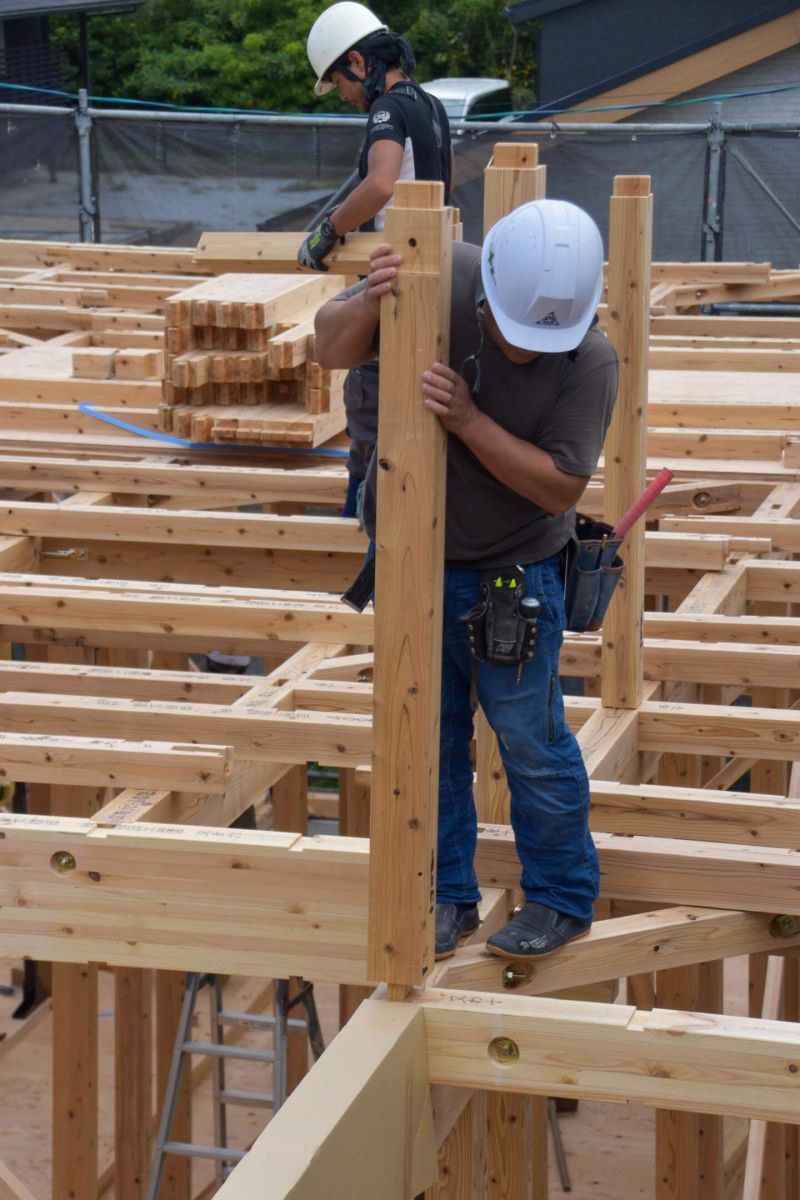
629 256
513 177
408 599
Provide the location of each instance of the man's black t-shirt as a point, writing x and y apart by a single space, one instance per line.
416 121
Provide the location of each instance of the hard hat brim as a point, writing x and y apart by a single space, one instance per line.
323 86
545 341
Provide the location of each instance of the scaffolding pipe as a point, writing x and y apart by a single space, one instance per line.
739 308
86 205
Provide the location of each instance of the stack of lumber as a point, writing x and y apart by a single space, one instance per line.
240 365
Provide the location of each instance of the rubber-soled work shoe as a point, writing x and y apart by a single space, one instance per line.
536 930
452 925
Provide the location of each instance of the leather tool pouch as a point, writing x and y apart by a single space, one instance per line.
501 627
592 570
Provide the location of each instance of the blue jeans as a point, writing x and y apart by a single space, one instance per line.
547 779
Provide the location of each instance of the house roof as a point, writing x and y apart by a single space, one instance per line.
612 42
47 8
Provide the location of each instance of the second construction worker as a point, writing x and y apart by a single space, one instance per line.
526 399
407 137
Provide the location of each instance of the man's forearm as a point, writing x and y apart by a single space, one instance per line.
345 332
521 466
361 205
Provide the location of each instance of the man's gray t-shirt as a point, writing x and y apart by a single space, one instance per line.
561 403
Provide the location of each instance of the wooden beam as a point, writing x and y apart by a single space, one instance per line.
253 485
681 1060
256 732
133 1082
666 871
620 947
261 530
697 814
143 610
358 1126
408 600
276 253
300 903
12 1188
40 758
630 247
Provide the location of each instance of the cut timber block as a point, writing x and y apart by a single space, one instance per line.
139 364
95 363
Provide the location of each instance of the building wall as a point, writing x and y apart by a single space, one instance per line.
780 69
585 45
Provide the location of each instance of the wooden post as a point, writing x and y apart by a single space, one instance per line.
177 1177
133 1081
710 1151
462 1162
176 1180
513 177
353 822
517 1125
290 815
133 1040
408 601
629 251
676 1132
74 1029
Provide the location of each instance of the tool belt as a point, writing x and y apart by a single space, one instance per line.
501 627
592 570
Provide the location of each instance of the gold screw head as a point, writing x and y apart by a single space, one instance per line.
785 926
62 861
503 1050
511 977
514 911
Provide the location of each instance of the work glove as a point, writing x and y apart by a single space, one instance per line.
318 245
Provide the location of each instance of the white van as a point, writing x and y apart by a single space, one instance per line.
480 99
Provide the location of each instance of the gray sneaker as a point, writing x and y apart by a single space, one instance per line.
452 926
535 931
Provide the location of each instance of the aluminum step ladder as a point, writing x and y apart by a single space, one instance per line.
280 1023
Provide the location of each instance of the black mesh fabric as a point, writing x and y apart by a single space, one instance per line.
581 168
38 177
165 182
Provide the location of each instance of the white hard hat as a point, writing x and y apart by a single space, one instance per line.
333 33
542 272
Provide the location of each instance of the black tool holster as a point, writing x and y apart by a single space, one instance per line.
501 627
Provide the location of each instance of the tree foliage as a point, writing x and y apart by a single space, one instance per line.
252 53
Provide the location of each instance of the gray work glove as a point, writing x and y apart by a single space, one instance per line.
318 245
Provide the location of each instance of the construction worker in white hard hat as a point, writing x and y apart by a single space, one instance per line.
526 399
407 137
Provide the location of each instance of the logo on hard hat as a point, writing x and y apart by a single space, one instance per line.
550 321
490 263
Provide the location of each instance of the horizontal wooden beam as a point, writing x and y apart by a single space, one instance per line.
129 683
109 762
784 532
255 731
182 615
623 946
697 814
694 1062
703 627
113 523
175 897
719 729
667 871
223 253
252 485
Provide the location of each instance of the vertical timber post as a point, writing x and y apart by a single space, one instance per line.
629 255
290 815
412 462
513 177
517 1125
